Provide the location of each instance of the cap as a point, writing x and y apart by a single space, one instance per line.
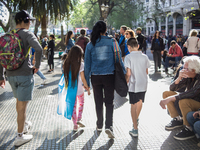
139 28
23 15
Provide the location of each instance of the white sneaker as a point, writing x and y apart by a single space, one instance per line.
23 139
44 81
27 127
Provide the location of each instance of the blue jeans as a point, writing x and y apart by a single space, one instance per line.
176 59
194 123
39 73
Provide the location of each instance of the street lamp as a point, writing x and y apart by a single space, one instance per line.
104 10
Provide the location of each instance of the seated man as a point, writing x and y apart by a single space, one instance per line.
175 54
189 77
194 121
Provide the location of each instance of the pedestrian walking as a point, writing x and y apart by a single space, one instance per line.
51 46
82 40
193 43
100 64
156 47
21 80
69 42
136 64
141 40
39 73
74 70
128 34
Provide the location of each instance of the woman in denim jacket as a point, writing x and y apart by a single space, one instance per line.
99 63
69 41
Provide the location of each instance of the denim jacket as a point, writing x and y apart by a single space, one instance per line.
70 44
99 59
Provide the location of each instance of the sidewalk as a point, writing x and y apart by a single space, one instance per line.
54 132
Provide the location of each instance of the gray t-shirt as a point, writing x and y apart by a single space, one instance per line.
29 40
138 63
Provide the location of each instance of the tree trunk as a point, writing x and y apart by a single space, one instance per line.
62 35
44 25
198 3
37 24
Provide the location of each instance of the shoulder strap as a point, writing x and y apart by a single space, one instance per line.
116 51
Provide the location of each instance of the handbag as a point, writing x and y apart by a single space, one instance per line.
120 81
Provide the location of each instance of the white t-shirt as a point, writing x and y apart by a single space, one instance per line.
138 63
192 44
80 89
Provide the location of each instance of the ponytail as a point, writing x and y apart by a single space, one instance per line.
98 29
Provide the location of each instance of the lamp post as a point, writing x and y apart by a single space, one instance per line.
104 10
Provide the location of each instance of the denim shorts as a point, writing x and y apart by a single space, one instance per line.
22 87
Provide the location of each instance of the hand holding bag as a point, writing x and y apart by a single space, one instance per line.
120 81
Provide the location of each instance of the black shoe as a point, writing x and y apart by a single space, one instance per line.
110 133
175 123
184 134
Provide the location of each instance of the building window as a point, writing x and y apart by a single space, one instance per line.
170 2
147 0
151 28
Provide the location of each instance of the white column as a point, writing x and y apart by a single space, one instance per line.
174 25
185 26
147 29
159 24
166 26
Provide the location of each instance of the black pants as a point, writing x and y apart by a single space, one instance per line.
104 83
157 59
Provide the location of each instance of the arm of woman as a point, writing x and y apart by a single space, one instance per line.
84 82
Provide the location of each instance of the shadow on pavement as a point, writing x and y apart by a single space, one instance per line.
171 143
119 101
107 145
133 144
6 95
155 76
49 84
91 141
8 145
68 139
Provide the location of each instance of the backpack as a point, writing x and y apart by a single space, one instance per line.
82 43
11 51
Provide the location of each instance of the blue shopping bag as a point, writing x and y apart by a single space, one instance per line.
66 97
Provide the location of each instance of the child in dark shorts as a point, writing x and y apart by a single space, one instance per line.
136 64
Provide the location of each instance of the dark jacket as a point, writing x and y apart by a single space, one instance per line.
141 40
51 47
161 47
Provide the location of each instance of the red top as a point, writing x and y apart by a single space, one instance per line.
176 52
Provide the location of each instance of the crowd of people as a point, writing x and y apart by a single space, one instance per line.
94 60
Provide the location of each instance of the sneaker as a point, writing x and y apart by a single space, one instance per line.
175 123
134 132
49 71
80 124
44 81
110 133
27 127
23 139
99 129
184 134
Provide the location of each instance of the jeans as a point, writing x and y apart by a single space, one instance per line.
40 74
157 59
194 123
176 59
103 87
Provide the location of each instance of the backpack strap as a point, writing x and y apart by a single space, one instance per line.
116 51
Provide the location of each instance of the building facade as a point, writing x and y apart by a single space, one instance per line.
173 18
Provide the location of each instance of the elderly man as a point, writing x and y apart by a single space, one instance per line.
175 54
189 77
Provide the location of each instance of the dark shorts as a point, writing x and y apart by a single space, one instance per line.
136 97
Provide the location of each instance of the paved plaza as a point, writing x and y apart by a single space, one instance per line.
54 132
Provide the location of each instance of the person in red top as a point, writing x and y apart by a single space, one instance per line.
175 54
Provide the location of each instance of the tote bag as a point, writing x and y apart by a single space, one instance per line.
120 81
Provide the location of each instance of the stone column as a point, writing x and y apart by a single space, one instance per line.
174 25
166 26
159 24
